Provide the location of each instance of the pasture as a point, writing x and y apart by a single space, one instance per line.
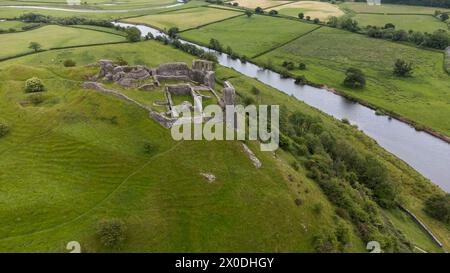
390 9
423 23
259 3
82 154
16 25
185 19
250 36
52 36
313 9
328 52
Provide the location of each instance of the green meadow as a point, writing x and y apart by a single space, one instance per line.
16 25
250 36
185 19
423 23
390 9
329 52
52 36
82 154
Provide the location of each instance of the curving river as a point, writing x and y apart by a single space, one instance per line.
429 155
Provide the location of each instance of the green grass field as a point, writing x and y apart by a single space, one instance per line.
390 9
74 154
328 52
250 36
17 25
52 36
81 152
185 19
424 23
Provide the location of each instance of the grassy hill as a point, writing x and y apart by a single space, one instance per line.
79 157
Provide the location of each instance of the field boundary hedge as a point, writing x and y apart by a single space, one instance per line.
99 30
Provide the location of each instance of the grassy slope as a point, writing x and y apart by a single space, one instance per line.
250 36
185 19
52 36
82 167
328 52
422 23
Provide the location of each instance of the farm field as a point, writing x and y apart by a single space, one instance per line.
390 9
52 36
84 142
108 13
259 3
320 10
16 25
250 36
185 19
328 52
423 23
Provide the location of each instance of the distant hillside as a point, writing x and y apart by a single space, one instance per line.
428 3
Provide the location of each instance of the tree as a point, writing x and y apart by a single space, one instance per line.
259 10
173 31
402 68
273 12
444 17
249 13
389 25
301 66
301 15
438 206
133 34
316 20
34 85
354 78
35 46
111 232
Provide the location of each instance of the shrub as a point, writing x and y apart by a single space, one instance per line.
34 85
173 32
354 78
273 12
302 66
301 80
69 63
120 61
301 15
438 206
402 68
148 148
111 232
259 10
248 13
316 20
4 130
325 242
317 208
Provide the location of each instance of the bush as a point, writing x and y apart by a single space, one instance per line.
317 208
273 12
402 68
255 91
4 130
111 232
120 61
301 15
259 10
34 85
301 80
148 148
354 78
438 206
69 63
302 66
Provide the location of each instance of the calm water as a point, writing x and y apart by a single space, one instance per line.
427 154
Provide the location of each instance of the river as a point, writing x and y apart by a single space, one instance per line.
427 154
